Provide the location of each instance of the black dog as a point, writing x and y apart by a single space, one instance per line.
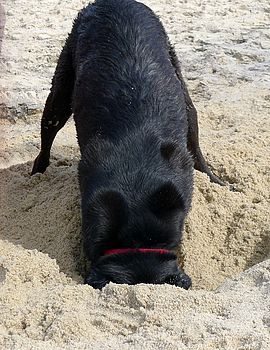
138 135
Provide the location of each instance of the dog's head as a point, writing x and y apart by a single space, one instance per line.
135 196
135 267
131 199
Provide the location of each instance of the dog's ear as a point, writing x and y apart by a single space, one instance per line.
179 279
111 209
106 214
166 200
96 279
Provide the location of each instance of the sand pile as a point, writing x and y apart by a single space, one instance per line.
42 309
224 48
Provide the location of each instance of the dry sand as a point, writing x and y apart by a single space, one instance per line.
224 49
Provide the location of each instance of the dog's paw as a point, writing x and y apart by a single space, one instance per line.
40 164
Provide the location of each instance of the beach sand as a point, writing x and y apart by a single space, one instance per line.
224 49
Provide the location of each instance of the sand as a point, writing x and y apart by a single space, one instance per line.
224 50
43 309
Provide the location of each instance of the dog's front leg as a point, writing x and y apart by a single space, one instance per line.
57 108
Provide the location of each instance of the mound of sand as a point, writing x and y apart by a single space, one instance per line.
224 47
42 309
225 233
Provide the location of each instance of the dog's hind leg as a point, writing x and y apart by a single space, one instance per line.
193 130
193 142
57 108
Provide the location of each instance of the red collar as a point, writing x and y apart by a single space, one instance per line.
135 250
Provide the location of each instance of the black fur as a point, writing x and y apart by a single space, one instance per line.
137 131
134 268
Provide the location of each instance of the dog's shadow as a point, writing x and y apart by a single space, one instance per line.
43 212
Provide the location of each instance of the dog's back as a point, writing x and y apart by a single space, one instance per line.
124 78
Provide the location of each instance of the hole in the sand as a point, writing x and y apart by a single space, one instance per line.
43 213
